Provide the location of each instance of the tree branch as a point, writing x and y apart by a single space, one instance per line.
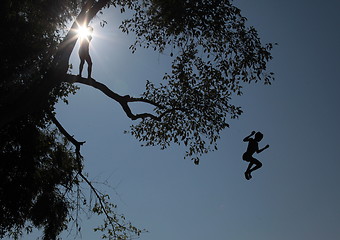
111 220
70 138
36 98
78 144
122 100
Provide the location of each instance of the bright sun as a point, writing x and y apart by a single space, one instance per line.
83 31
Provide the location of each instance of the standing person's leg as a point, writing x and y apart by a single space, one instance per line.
81 65
89 66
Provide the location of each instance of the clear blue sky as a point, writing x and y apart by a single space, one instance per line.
294 196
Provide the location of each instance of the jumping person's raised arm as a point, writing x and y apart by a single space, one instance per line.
246 139
260 150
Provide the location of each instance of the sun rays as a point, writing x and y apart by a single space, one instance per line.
84 32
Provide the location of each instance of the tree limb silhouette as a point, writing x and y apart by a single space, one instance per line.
98 195
36 98
76 143
122 100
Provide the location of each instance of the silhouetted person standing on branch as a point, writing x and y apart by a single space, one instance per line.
253 147
84 52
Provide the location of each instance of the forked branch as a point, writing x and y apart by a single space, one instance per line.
76 143
122 100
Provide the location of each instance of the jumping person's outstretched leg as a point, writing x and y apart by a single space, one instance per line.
258 164
249 170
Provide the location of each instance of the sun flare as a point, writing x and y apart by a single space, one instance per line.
83 31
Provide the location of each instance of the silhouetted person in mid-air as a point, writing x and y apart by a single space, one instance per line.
253 147
84 53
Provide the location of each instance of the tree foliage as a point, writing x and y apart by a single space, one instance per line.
35 160
217 53
213 53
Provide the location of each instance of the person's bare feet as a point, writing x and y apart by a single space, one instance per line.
246 175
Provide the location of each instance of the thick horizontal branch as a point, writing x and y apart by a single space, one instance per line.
122 100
